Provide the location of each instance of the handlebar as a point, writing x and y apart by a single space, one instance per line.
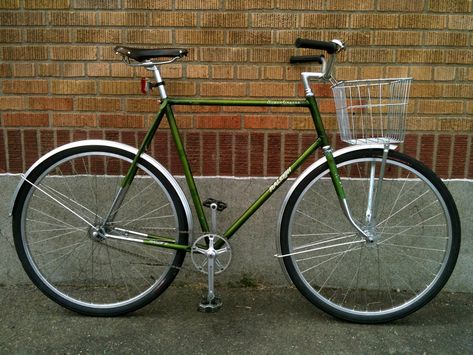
331 48
307 59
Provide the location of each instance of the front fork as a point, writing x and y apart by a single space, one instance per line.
373 196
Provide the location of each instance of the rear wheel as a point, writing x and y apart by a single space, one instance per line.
55 220
416 232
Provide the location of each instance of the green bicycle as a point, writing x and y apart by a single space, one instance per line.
366 233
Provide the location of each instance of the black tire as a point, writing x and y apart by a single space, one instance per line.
61 255
417 238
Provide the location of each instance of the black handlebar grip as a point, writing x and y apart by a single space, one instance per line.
306 59
329 47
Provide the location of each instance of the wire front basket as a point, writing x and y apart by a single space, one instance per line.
372 111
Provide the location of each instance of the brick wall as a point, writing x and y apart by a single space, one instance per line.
60 79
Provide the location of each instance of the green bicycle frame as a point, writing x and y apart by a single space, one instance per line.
166 109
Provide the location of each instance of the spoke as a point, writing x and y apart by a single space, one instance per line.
333 256
54 219
329 254
316 220
75 246
407 229
62 235
422 259
355 277
320 234
319 198
403 208
66 198
333 270
412 215
324 241
61 204
222 250
60 226
395 274
142 218
413 247
399 195
321 248
139 193
417 236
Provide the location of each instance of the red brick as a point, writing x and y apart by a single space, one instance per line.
241 154
257 144
272 90
306 141
50 103
220 89
96 134
15 151
25 53
291 148
266 122
224 19
274 155
46 141
3 155
78 135
100 104
63 136
74 120
274 20
427 149
410 145
197 4
175 164
121 121
209 153
142 4
25 87
460 150
225 144
193 151
25 119
23 70
161 147
64 87
443 155
128 137
218 121
8 103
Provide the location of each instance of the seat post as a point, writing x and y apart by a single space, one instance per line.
159 81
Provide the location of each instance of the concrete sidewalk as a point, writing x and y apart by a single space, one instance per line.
252 321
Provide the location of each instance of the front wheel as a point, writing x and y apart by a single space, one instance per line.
58 228
415 230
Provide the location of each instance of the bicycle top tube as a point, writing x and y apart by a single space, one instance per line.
151 59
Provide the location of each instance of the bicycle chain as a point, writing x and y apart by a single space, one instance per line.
153 262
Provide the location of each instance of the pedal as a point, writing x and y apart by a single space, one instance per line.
220 204
211 306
